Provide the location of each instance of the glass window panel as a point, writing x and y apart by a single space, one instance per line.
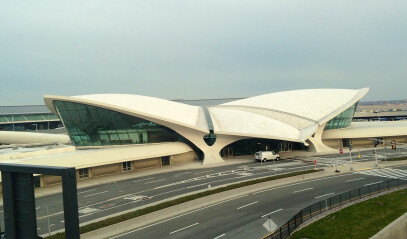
90 125
104 139
70 106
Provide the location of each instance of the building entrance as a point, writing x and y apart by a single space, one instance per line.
165 160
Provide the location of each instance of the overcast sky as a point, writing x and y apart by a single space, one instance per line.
200 49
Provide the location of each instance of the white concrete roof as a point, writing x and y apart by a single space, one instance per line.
21 137
368 129
174 112
102 156
315 104
290 115
242 123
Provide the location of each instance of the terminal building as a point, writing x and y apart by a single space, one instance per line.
115 133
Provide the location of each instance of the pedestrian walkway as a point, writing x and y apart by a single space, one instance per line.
386 173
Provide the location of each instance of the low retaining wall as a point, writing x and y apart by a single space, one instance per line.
396 229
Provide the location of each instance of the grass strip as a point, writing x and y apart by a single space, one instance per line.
361 220
144 211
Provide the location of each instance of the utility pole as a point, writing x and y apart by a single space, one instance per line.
350 156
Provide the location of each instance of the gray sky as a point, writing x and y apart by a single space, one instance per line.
200 49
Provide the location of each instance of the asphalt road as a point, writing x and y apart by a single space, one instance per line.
104 200
243 217
107 199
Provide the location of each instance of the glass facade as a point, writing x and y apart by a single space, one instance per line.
342 120
253 145
93 126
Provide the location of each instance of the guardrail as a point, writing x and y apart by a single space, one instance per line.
335 201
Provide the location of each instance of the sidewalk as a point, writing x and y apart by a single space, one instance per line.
166 213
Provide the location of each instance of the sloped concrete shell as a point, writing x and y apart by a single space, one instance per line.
295 116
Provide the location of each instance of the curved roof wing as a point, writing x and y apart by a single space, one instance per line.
142 106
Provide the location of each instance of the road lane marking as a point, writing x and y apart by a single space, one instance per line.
169 219
219 236
302 190
135 181
87 191
94 194
37 208
356 179
184 228
204 172
155 181
324 195
312 180
247 205
272 212
52 225
372 183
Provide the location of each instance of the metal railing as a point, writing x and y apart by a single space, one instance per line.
335 201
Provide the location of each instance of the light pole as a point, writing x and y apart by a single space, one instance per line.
376 142
350 156
274 166
375 154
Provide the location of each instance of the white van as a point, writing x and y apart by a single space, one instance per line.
266 155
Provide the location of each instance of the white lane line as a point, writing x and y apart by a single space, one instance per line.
95 194
302 190
247 205
289 185
372 183
52 225
87 191
184 228
169 219
324 195
356 179
135 181
204 172
219 236
272 212
155 181
37 208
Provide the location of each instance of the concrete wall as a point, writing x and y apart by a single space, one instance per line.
333 143
365 142
396 229
51 180
184 158
362 142
107 169
147 163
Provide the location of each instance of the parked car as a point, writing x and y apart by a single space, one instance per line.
266 155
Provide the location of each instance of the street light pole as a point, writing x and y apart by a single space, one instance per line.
274 166
350 156
375 154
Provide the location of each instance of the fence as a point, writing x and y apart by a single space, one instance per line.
322 206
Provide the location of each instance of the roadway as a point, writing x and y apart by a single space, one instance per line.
244 216
116 197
